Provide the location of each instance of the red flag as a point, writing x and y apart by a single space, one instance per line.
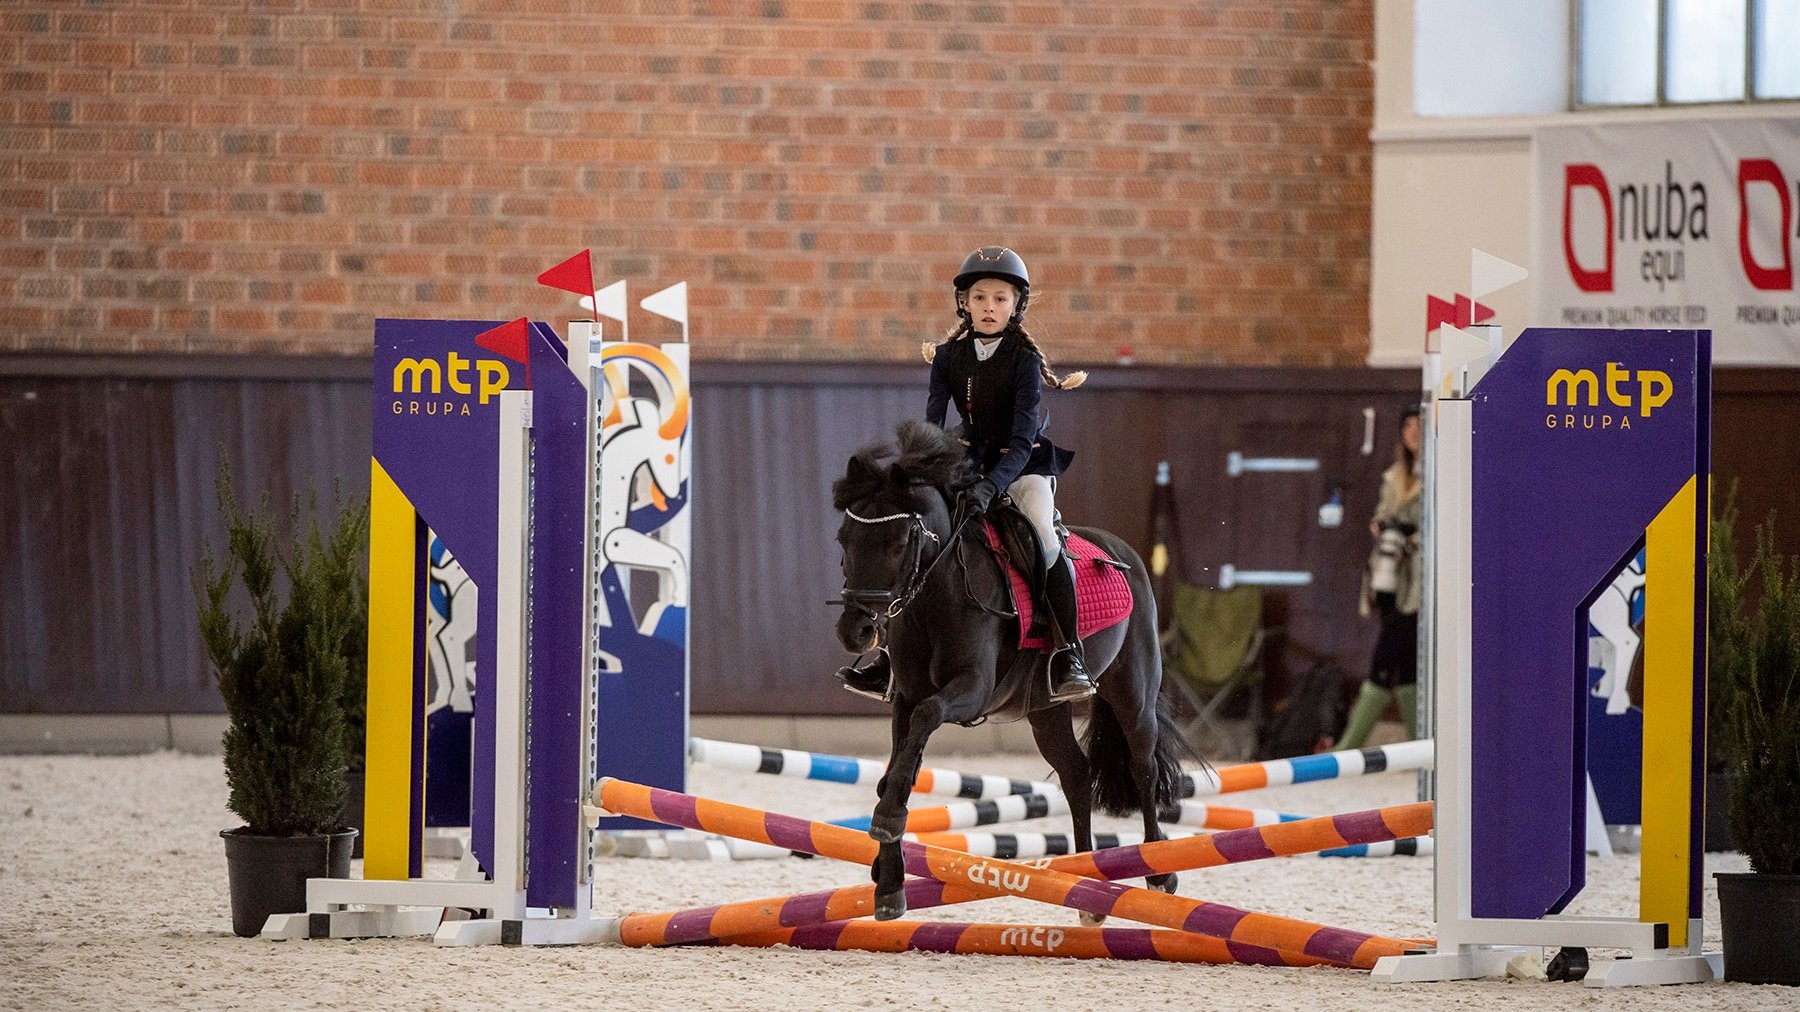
575 274
1437 313
1469 312
509 340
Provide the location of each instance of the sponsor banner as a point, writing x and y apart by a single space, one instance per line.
1690 224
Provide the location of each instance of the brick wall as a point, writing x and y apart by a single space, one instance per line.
1190 179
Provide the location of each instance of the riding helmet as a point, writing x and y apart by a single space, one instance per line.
993 262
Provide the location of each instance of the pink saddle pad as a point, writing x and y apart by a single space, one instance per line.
1102 594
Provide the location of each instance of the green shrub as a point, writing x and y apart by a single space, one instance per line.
284 673
1764 724
1724 630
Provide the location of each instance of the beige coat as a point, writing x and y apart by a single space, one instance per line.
1407 510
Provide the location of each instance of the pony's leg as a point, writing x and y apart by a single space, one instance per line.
1140 733
1053 727
960 699
889 870
899 721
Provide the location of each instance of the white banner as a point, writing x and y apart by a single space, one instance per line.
1688 224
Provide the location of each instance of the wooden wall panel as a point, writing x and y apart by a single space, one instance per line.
106 498
108 502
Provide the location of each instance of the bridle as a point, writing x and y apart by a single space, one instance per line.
883 604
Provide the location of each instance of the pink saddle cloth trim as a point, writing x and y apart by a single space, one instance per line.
1102 594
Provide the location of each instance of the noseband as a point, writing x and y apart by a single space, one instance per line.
882 605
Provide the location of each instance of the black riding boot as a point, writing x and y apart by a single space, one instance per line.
874 680
1069 679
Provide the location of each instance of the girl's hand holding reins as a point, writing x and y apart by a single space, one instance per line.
975 500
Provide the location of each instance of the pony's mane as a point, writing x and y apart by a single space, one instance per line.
924 455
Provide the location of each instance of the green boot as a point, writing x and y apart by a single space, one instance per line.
1371 702
1406 697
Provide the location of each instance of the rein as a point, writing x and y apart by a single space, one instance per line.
868 602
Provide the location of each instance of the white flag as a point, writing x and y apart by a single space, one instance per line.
612 301
671 303
1488 273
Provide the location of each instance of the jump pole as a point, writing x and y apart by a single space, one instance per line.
841 769
969 814
958 815
1021 846
1030 846
1158 944
1406 755
680 927
992 877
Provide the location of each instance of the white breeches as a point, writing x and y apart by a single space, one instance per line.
1035 495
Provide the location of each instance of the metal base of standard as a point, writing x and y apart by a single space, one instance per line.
1476 961
531 931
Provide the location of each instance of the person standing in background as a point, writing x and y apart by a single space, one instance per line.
1391 588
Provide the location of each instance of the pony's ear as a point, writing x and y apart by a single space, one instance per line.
859 468
899 474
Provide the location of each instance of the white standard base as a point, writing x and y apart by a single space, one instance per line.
530 931
381 922
687 847
1467 963
1474 961
1682 969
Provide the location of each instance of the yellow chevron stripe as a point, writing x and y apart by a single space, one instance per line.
387 835
1669 636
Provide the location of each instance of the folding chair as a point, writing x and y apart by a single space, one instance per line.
1212 650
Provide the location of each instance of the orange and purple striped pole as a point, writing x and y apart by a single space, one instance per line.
1000 940
977 878
688 926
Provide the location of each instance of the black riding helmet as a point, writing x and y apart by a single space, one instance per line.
993 262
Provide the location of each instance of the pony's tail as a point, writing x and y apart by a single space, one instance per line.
1109 759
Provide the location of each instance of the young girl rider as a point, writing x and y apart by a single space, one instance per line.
995 374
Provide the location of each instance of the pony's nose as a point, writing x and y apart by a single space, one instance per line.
856 632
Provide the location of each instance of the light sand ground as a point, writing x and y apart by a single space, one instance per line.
113 895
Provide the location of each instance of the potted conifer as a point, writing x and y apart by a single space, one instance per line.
1724 651
354 645
282 674
1759 910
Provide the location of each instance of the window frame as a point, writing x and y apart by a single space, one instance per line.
1753 11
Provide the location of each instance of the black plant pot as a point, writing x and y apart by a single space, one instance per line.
268 873
1759 916
353 809
1719 788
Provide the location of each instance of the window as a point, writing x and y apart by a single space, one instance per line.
1675 52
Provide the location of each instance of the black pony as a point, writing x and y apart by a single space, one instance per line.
936 598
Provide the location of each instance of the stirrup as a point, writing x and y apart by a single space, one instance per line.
849 673
884 696
1077 686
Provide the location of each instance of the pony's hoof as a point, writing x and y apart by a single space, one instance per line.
1163 883
1092 920
889 906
